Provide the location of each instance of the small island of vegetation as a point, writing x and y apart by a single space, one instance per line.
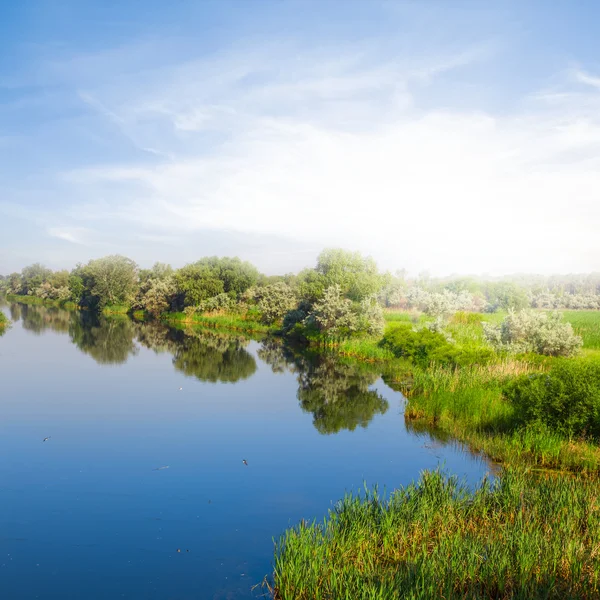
508 367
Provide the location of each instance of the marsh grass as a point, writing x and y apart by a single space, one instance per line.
116 309
216 320
468 404
522 536
586 323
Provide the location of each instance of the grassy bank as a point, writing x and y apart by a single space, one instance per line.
523 536
469 405
228 321
116 309
66 304
531 534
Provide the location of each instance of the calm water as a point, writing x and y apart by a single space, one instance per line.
90 514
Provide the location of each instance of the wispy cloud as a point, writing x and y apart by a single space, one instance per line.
341 145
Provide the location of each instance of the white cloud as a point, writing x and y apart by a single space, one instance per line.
335 146
75 235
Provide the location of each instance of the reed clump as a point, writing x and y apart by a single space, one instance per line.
523 535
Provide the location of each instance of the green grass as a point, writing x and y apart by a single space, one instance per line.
66 304
225 321
523 536
391 316
116 309
3 320
586 323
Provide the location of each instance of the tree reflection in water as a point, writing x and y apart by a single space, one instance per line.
212 357
335 392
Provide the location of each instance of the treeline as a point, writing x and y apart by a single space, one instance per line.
343 294
340 296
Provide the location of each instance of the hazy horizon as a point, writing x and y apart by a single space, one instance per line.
448 137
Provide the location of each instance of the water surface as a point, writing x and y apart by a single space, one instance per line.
94 513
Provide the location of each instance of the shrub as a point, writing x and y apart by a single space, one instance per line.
158 296
275 300
221 301
531 331
567 399
425 346
333 314
370 316
421 346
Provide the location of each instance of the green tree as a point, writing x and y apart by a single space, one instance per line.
196 283
334 314
111 280
356 275
32 277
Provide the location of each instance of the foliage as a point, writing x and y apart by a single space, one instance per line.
32 277
110 280
521 536
506 296
567 399
338 395
195 283
212 276
357 276
333 314
370 317
275 301
213 358
531 331
422 346
157 295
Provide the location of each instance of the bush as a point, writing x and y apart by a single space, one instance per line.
275 300
422 347
333 315
567 399
531 331
370 316
425 346
219 302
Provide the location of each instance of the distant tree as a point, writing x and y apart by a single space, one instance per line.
14 283
111 280
356 275
196 283
32 277
506 296
311 285
76 288
212 276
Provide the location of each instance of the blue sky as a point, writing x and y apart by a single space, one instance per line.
454 137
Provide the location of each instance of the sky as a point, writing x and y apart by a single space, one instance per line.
451 137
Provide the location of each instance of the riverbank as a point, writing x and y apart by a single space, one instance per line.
66 304
531 534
